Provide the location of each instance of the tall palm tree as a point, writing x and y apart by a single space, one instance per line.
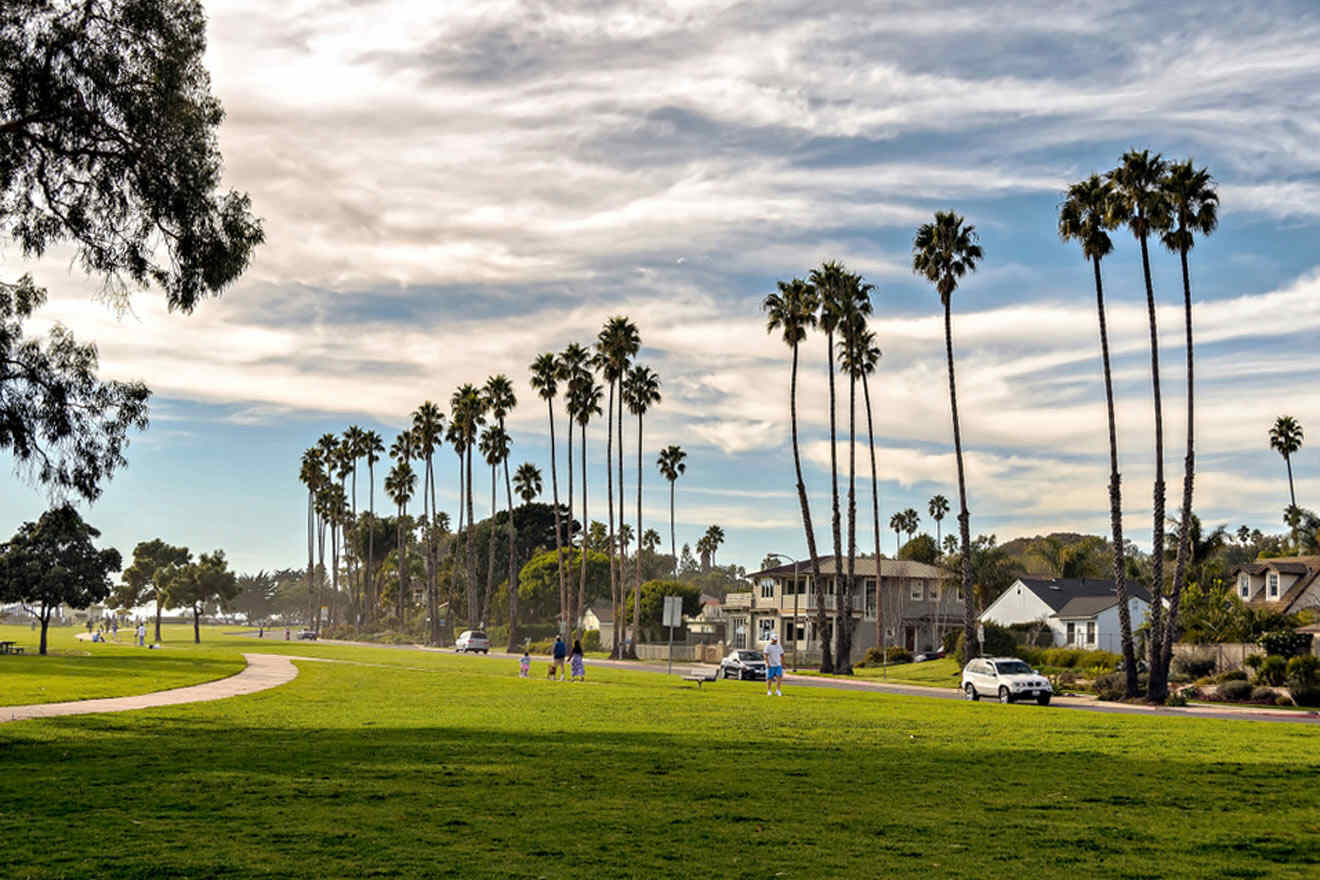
625 537
896 522
310 474
1087 215
467 409
650 540
672 464
545 382
499 394
332 503
1286 439
428 425
491 448
399 485
616 343
496 445
345 463
328 444
641 391
939 506
911 522
793 310
574 364
943 252
372 449
715 535
527 482
353 437
1141 204
455 436
859 359
1194 209
586 396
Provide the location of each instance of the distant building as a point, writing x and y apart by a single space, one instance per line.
1079 612
600 617
1289 583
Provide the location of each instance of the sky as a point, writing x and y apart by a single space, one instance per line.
450 189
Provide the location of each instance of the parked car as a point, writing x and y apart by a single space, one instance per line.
472 641
1007 678
307 634
929 655
743 664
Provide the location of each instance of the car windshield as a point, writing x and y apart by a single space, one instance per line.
750 656
1013 667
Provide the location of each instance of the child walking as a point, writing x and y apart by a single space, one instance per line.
524 665
577 666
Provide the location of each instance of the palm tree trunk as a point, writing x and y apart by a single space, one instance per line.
875 518
559 542
355 611
1116 504
490 554
469 552
609 496
370 588
818 585
630 645
582 574
1189 472
843 658
400 560
673 545
320 580
835 525
311 540
1156 688
964 518
513 561
637 593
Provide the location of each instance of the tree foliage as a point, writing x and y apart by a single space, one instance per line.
538 582
198 584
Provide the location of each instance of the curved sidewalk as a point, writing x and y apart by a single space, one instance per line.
263 671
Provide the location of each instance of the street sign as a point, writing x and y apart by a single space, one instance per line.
673 611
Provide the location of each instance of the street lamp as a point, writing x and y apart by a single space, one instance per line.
795 603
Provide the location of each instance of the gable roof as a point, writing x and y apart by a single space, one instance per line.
1089 593
603 610
889 568
1307 567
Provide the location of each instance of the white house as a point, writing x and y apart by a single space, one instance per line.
1080 612
1289 583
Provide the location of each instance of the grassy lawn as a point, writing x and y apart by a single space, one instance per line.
432 765
932 673
78 670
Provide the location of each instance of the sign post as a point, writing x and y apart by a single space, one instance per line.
673 618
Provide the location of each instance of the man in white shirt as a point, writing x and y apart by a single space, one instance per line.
774 661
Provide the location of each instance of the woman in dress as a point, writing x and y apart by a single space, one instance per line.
577 668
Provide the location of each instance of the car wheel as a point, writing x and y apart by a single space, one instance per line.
970 692
1004 696
1043 699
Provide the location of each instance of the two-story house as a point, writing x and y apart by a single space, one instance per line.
1078 612
1291 582
919 604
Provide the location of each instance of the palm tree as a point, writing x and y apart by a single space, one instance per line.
616 343
714 537
328 444
585 396
650 540
896 522
641 391
428 425
1194 208
911 522
491 449
545 381
1285 439
1141 204
1087 214
310 474
705 549
527 482
456 438
399 485
939 506
467 409
793 309
345 463
372 447
943 252
856 305
573 368
861 359
332 503
499 394
671 463
625 537
353 437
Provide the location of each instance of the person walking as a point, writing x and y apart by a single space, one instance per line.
560 652
577 667
774 661
141 634
525 665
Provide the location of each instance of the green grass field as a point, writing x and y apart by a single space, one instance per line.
431 765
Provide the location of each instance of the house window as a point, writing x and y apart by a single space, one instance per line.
767 589
765 628
740 632
918 590
870 598
1090 632
1072 633
1274 585
1244 585
829 586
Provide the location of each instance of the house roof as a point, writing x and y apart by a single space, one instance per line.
1094 594
603 610
1308 567
889 568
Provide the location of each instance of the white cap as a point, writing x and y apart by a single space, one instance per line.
774 637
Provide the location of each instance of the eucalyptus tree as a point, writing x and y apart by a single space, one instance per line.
939 508
831 282
399 485
545 382
616 343
1193 206
1286 439
672 464
372 448
1141 204
573 367
793 310
943 251
527 483
311 473
428 427
585 396
467 410
641 391
1087 215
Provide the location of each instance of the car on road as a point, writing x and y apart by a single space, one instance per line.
743 664
307 634
1006 678
472 641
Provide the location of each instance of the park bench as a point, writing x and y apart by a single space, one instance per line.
701 676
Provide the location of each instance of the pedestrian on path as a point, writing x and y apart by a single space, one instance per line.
774 660
577 665
560 652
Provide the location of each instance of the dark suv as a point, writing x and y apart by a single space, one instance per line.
743 664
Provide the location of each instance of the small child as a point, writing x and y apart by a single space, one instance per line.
524 665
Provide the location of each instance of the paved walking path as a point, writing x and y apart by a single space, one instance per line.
263 671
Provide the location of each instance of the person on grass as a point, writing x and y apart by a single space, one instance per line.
577 665
774 661
525 665
560 652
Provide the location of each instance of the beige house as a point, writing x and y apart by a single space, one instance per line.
903 603
600 617
1290 582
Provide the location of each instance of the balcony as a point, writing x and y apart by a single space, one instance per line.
737 601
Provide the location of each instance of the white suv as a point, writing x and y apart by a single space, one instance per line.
472 640
1008 678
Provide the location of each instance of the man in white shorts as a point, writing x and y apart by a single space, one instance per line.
774 661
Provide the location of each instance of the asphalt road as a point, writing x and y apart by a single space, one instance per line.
1083 704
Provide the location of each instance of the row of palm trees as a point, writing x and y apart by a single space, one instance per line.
476 424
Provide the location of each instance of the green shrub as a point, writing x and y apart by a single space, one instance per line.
1253 661
1304 671
1273 669
892 654
1232 675
1264 695
591 640
1098 660
1193 666
1023 632
1285 642
1111 685
950 642
1235 691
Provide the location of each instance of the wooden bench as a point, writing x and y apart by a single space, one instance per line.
701 677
